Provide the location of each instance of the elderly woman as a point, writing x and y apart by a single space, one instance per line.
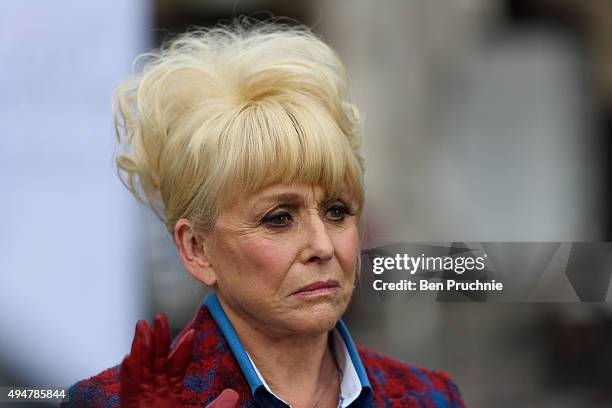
243 139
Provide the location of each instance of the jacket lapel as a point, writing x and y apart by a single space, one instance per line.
213 368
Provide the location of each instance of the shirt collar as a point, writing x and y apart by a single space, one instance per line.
355 383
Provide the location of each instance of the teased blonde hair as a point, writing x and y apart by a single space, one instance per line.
223 112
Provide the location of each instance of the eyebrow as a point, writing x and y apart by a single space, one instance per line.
292 197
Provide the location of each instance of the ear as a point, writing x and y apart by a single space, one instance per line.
193 253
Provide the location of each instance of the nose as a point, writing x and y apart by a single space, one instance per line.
318 247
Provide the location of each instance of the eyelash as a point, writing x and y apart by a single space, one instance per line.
341 207
269 219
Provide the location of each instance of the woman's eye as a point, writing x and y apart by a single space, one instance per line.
279 219
337 212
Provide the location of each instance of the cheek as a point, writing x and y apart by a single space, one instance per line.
347 249
265 260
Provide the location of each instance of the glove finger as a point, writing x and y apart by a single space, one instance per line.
141 342
161 335
189 326
125 373
227 399
179 359
128 384
181 355
161 342
141 361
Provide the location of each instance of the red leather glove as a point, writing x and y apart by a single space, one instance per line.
149 377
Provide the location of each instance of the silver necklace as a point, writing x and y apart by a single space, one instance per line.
340 375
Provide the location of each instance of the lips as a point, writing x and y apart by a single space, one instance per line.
319 286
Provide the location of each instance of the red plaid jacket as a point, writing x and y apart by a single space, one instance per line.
214 369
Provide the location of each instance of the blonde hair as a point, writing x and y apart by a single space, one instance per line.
226 111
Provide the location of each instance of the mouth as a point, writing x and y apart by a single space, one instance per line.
319 288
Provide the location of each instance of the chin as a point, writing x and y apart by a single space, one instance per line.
318 318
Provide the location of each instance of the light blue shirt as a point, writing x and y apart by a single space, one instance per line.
355 389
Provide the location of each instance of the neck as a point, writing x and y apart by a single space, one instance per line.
298 369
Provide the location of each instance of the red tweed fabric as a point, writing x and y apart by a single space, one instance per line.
214 369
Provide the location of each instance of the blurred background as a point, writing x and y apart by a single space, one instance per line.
485 120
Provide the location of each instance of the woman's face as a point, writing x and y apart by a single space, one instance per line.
285 258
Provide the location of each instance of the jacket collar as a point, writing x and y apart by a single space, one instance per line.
213 367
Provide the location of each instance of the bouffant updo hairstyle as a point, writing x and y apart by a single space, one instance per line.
217 114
